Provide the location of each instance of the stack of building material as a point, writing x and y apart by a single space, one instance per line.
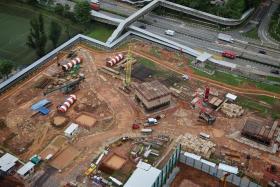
196 145
232 110
215 101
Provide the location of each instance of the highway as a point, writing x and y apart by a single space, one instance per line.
198 37
211 46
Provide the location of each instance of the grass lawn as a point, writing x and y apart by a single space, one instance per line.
252 34
261 109
236 80
100 31
15 25
158 71
276 79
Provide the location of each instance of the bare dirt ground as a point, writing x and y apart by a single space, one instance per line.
65 158
193 175
100 96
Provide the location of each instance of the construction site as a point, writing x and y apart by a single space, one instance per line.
98 116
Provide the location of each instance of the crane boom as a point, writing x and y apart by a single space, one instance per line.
68 86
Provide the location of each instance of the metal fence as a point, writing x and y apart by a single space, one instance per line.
215 172
167 169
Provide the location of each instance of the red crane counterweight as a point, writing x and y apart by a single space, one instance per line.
206 94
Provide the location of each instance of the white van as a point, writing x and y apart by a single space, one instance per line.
146 131
204 136
170 32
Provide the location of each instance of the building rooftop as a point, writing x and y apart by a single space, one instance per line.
231 96
72 127
7 161
25 168
144 175
152 90
259 130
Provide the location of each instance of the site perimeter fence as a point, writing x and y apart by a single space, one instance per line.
167 169
215 172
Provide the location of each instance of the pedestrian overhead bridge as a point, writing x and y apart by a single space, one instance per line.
190 11
128 21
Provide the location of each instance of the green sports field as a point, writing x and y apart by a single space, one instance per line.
15 24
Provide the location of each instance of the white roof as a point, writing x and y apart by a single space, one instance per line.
225 37
228 168
231 96
146 130
7 161
208 163
203 57
152 120
193 156
71 128
144 175
25 168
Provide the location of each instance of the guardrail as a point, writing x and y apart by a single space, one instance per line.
207 16
215 172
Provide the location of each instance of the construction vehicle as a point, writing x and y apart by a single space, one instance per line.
151 122
206 94
229 54
66 88
207 117
127 79
90 170
94 5
146 131
135 126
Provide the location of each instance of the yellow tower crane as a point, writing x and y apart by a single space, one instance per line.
128 65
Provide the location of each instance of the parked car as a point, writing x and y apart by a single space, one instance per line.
169 32
262 52
142 26
275 71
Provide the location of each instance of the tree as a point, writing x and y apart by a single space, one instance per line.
55 32
67 31
82 12
59 9
37 38
6 68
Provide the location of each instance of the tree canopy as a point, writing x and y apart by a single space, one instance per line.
232 9
37 38
55 33
82 12
6 68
